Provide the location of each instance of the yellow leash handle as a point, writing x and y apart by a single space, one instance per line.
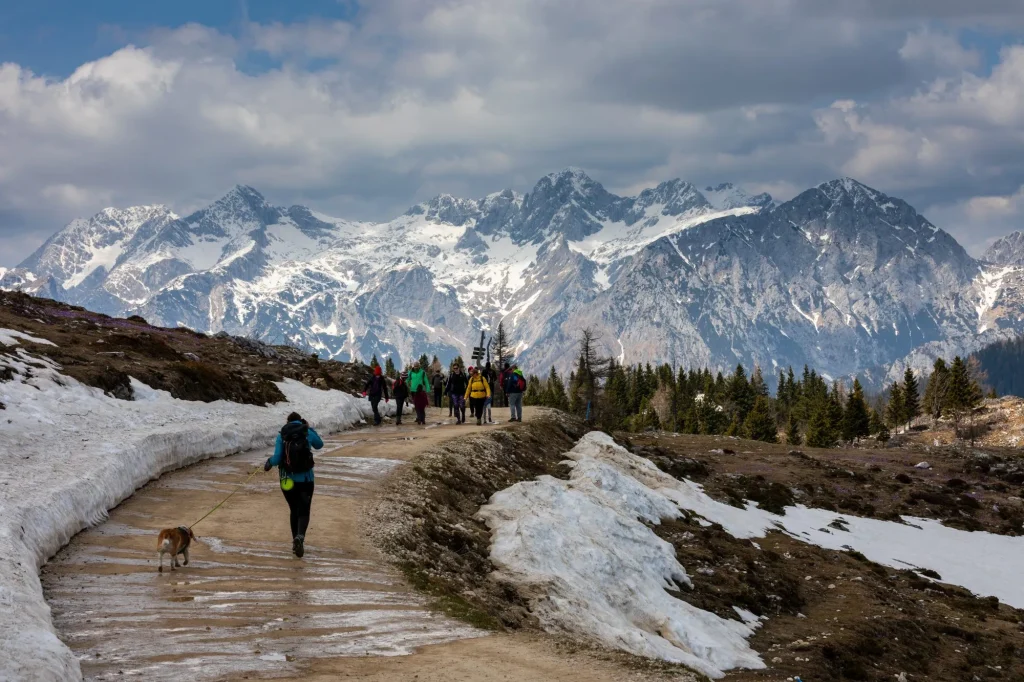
219 504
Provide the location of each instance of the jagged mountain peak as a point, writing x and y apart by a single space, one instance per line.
569 180
133 214
726 196
452 210
1008 250
847 187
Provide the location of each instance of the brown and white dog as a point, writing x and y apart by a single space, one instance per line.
174 541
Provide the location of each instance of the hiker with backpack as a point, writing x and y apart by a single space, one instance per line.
400 392
293 457
376 387
418 388
478 391
492 377
515 385
456 393
437 382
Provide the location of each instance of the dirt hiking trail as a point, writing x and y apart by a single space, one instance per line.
245 608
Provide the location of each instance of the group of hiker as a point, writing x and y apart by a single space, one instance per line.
293 450
413 383
476 388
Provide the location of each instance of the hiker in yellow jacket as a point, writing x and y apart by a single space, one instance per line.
478 390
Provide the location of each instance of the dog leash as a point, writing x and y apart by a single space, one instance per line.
219 504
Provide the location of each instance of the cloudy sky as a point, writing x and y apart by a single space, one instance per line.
361 109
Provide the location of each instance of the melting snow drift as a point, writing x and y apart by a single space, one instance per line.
69 453
605 578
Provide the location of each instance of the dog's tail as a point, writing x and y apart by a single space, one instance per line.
164 545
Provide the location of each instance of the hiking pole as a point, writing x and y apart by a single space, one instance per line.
219 504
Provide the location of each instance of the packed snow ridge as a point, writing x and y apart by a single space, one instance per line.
579 548
69 453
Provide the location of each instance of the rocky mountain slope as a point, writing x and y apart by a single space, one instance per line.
842 277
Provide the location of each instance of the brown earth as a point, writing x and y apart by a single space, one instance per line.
970 489
834 615
103 351
999 422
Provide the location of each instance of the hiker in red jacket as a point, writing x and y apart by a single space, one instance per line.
375 388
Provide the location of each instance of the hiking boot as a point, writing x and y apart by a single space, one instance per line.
298 548
478 422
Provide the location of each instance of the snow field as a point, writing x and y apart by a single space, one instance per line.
593 569
68 453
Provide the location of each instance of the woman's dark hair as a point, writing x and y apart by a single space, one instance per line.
294 417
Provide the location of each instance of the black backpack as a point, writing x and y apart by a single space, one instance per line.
298 457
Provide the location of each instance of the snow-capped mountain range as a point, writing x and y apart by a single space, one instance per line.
842 277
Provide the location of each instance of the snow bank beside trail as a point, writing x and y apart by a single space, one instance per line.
594 569
68 453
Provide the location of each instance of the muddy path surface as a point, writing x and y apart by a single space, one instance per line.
246 608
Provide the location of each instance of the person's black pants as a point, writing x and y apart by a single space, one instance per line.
374 402
299 499
437 397
399 404
476 406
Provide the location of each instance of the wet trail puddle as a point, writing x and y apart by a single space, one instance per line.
245 606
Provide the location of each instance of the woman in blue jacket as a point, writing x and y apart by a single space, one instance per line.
293 457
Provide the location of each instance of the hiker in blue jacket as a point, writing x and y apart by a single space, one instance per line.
293 457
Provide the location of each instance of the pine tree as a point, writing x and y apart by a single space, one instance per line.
935 391
373 361
646 419
734 426
793 431
835 413
820 433
856 421
963 395
760 423
894 408
875 424
556 390
424 362
389 368
740 395
757 385
883 434
911 399
533 391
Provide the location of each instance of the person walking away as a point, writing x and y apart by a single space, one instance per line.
515 384
456 393
418 387
478 391
438 383
376 388
502 377
400 392
491 377
293 457
448 390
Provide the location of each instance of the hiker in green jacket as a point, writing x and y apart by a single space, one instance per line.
419 389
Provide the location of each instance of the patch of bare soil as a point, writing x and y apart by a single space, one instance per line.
834 615
970 489
104 351
999 422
